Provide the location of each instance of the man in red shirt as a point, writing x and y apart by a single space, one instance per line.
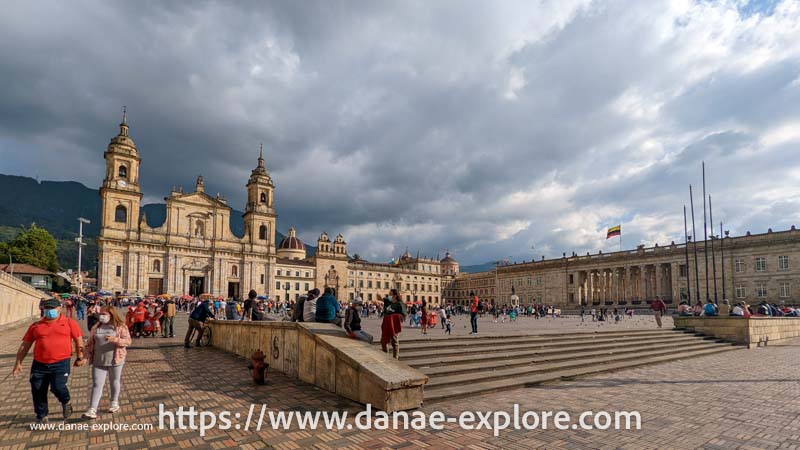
659 308
53 335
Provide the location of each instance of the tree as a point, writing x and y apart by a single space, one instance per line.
33 245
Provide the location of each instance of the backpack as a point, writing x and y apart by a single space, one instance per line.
709 309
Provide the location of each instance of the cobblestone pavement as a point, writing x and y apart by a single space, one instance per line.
742 399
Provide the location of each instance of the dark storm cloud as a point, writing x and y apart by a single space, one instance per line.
481 127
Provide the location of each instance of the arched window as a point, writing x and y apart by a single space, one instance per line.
263 198
121 214
262 232
234 271
123 172
200 228
156 266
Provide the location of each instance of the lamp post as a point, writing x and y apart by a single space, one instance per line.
80 242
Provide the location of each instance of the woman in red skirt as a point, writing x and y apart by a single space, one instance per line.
394 313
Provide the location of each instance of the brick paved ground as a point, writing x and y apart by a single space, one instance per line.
523 325
739 399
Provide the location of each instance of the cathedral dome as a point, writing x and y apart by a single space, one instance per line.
291 243
447 259
291 246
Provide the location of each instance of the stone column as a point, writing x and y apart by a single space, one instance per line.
659 273
643 282
675 289
590 286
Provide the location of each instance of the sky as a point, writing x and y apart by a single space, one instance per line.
495 130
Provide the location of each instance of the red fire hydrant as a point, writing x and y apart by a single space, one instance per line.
258 366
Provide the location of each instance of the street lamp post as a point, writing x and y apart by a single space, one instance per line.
80 242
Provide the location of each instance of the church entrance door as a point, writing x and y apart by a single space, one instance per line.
196 285
233 289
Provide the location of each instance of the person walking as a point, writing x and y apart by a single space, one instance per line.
394 313
659 308
53 337
473 313
168 330
106 349
424 319
197 320
80 308
442 316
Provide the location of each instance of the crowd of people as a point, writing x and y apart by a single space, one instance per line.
739 309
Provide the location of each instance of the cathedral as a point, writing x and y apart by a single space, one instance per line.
194 250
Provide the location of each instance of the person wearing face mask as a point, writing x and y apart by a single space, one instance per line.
106 351
53 335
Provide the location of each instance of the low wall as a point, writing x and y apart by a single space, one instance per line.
19 302
751 331
323 355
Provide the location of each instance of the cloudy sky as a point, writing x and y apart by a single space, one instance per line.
486 128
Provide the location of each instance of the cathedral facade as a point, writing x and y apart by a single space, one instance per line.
194 250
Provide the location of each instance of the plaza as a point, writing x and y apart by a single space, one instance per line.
737 399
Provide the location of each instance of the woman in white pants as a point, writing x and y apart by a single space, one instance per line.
106 351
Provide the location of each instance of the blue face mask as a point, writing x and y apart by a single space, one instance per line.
51 313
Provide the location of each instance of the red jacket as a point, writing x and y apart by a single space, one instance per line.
139 314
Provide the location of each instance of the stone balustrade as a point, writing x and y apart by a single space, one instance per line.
19 302
752 331
323 355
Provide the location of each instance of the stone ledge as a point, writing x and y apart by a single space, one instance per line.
323 355
750 331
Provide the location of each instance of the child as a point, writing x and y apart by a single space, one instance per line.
447 324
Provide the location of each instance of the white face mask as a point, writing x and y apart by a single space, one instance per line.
105 318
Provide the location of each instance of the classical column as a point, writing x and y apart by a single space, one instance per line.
590 286
659 275
643 282
675 289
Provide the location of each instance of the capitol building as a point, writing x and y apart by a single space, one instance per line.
194 251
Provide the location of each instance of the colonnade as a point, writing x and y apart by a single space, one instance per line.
626 283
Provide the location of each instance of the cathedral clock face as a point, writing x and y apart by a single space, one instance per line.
123 183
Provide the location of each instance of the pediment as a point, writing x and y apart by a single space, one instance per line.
199 199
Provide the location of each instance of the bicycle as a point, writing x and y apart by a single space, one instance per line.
205 339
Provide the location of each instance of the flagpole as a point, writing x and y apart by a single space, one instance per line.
705 233
686 252
713 255
694 246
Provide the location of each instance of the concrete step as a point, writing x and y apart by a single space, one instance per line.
414 355
457 343
488 355
471 366
505 337
562 364
435 394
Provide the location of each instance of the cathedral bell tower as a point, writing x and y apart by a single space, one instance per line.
259 216
120 194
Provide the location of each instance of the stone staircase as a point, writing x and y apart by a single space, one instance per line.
465 366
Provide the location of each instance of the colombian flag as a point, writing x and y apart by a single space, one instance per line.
614 231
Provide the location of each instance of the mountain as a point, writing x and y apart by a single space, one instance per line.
56 206
477 267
